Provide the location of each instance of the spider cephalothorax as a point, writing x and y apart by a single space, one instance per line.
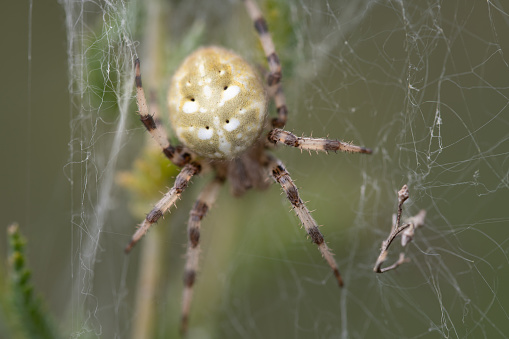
217 106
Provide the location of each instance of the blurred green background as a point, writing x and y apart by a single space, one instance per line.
34 133
426 85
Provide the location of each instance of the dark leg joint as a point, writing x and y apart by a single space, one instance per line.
293 196
154 215
197 168
366 150
338 277
261 26
316 236
331 145
180 185
169 151
292 140
189 277
200 209
273 60
273 136
278 123
183 158
194 236
274 79
149 122
278 171
137 79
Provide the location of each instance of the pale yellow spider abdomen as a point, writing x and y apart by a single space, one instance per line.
217 103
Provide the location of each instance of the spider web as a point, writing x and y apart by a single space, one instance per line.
423 83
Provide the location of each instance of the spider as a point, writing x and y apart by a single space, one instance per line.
218 109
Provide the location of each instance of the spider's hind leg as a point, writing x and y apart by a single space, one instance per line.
205 200
163 205
281 175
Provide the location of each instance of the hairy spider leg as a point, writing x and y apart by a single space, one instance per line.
313 144
202 205
181 182
275 75
281 176
178 155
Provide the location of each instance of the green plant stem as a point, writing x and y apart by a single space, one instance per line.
34 319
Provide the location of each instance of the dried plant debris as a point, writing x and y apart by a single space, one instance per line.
407 231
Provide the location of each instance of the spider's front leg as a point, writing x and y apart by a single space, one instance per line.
275 74
205 200
313 144
178 155
281 175
181 182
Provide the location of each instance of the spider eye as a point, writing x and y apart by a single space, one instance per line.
225 88
192 99
227 121
207 127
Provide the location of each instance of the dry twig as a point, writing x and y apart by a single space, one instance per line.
406 230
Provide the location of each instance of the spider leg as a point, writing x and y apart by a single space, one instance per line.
178 155
205 200
313 144
181 182
281 175
274 78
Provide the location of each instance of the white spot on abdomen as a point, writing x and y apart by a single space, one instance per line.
231 92
232 124
207 91
190 107
225 146
228 94
205 134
